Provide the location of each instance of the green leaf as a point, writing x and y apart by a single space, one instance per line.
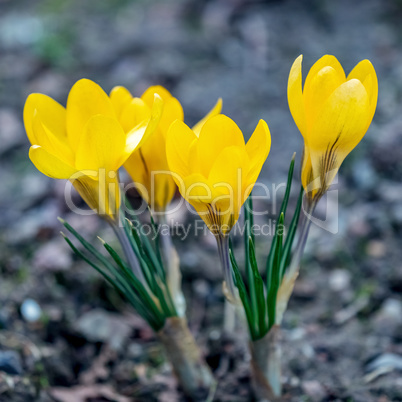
156 237
248 222
259 291
151 264
275 279
243 295
156 322
127 277
287 248
88 246
284 205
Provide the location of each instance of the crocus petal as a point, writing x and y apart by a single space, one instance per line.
101 145
318 90
365 73
102 196
228 178
49 164
57 146
217 133
213 112
172 109
179 140
52 114
139 134
325 61
295 95
148 95
148 169
85 100
343 118
229 168
306 171
134 113
120 97
258 147
196 188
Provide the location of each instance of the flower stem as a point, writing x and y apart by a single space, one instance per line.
288 282
130 255
223 249
172 264
266 366
183 353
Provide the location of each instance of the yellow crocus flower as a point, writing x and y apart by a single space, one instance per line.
148 165
332 112
215 169
84 142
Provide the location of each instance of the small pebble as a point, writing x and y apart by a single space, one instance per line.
30 310
376 249
339 279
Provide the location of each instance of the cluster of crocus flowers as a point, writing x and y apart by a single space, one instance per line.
85 142
148 166
332 112
215 170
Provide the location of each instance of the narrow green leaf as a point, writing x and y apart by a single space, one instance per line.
287 248
248 222
88 246
275 274
271 254
130 277
157 278
285 200
243 295
155 322
259 291
156 237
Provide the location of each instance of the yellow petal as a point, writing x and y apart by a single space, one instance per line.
229 167
85 100
57 146
148 95
196 188
49 164
343 118
134 113
365 73
320 87
102 145
52 114
258 147
150 173
213 112
139 134
172 109
325 61
102 195
306 171
120 97
217 133
228 180
295 96
193 160
179 139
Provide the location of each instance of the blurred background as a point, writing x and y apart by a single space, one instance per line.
64 334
